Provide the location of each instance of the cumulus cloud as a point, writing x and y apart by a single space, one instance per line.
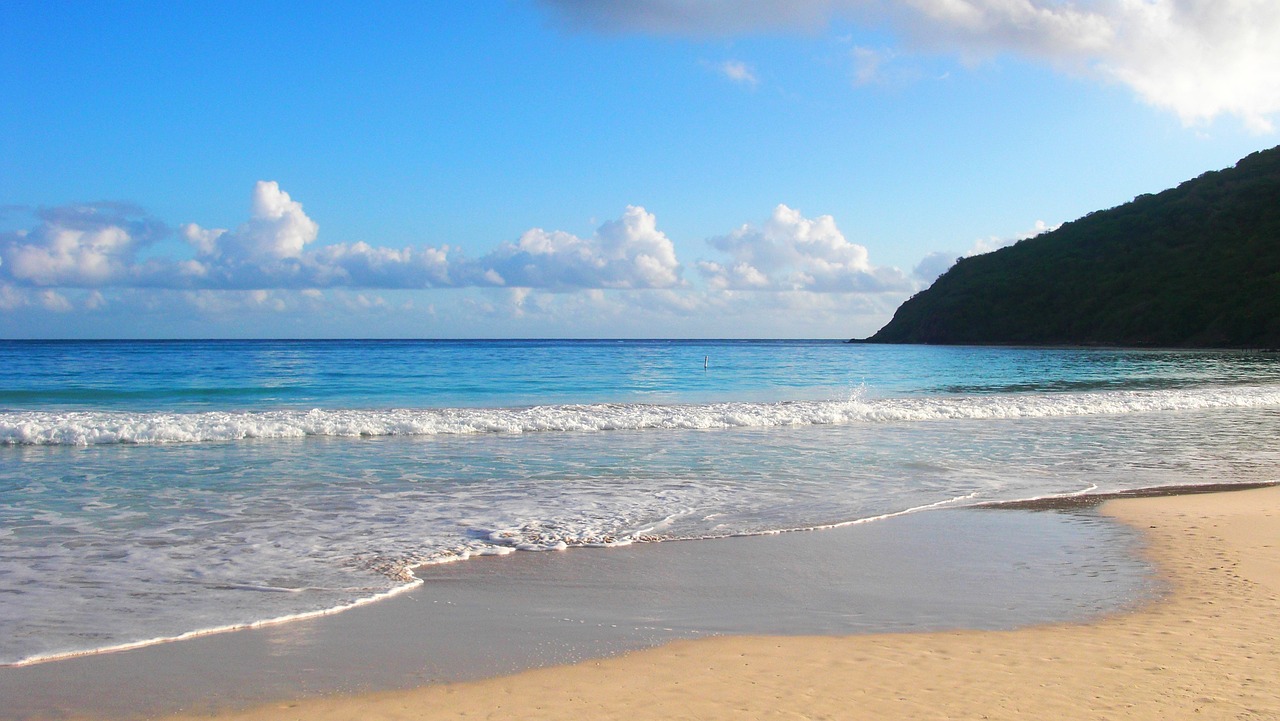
362 265
626 253
89 247
792 252
82 245
277 229
791 275
1196 58
65 256
265 250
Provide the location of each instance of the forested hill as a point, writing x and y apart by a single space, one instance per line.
1194 266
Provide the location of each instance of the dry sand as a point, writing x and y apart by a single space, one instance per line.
1210 649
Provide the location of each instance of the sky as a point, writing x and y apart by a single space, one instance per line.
577 168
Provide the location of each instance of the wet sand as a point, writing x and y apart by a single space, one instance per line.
956 568
1209 648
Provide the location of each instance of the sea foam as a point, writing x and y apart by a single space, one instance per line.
80 428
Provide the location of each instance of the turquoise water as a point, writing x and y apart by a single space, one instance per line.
192 376
154 489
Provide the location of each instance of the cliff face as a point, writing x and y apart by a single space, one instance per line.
1194 266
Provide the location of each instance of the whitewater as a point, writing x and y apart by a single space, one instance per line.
89 427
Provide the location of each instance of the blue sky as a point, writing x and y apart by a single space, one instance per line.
659 168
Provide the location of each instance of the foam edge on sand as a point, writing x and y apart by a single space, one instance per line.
1210 647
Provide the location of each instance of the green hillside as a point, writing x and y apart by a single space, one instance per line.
1194 266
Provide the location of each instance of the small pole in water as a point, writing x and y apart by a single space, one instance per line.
706 359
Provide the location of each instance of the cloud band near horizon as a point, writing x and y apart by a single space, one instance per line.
103 245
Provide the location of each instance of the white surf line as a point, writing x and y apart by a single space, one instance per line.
1139 492
1051 496
947 502
278 620
869 519
113 427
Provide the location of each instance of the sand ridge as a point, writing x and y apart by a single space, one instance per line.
1209 648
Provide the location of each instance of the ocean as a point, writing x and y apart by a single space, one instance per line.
154 490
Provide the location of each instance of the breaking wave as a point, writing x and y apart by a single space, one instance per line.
79 428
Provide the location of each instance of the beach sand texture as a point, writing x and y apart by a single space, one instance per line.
1209 648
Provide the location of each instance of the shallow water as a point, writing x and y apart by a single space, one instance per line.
966 568
157 489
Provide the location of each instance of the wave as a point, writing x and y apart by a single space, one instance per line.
81 428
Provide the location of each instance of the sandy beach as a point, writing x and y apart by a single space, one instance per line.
1208 648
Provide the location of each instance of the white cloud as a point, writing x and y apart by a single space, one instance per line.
1201 58
277 229
1196 58
740 275
81 245
273 249
69 256
365 266
792 252
204 240
518 296
623 279
626 253
739 72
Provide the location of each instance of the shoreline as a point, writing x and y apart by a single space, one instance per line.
1057 502
1088 500
496 616
214 630
1047 503
1210 646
